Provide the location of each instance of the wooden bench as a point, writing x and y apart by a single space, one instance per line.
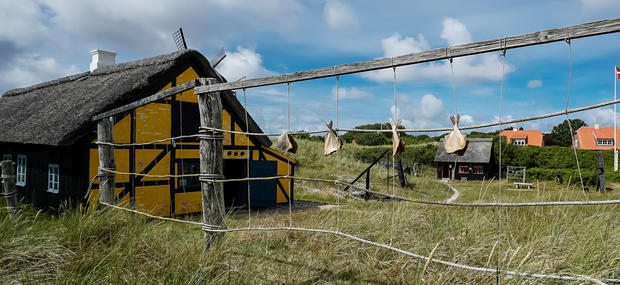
521 184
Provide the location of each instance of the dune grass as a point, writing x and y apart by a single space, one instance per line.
106 246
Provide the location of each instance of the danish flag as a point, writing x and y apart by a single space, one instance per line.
618 72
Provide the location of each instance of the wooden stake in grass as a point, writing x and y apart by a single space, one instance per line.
106 160
211 162
10 193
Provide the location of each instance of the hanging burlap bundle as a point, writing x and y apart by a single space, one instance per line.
332 140
454 141
398 146
286 143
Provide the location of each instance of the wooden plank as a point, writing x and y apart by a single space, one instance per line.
10 192
212 163
499 44
106 160
166 93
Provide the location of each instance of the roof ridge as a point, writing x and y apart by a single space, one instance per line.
123 66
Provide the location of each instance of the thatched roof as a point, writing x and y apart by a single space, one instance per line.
59 112
477 150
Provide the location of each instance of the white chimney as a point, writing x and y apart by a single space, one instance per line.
514 129
596 126
102 58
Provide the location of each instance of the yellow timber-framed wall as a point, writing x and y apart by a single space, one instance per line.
170 196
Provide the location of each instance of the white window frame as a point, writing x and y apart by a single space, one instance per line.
518 141
605 142
463 169
21 170
53 178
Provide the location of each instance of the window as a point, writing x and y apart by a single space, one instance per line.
20 180
478 169
463 169
605 142
7 156
53 178
189 167
518 141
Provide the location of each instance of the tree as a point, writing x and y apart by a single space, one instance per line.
560 135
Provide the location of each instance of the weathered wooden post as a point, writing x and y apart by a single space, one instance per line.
106 160
10 192
211 162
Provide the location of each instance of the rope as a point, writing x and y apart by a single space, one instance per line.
499 181
570 127
337 153
218 229
393 162
247 128
288 161
343 183
479 126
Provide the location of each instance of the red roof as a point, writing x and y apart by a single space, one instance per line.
532 137
585 137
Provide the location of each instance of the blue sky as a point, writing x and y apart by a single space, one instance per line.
44 40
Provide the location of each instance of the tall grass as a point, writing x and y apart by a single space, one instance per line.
106 246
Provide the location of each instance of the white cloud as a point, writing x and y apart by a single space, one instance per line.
455 32
22 23
339 16
146 27
599 5
535 83
476 68
466 120
29 69
603 116
351 93
244 62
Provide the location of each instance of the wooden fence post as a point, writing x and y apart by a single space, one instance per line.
10 192
106 160
211 162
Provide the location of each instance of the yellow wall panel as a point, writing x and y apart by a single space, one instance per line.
187 96
121 157
235 154
122 130
241 139
145 156
226 125
187 153
190 202
152 122
153 199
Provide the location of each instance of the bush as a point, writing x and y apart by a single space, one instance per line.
424 154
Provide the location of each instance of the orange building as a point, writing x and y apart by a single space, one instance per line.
595 138
523 137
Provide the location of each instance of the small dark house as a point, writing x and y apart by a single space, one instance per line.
475 162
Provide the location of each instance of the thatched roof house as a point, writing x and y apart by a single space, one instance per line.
474 162
48 130
59 112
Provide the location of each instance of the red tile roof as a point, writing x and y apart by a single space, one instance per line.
532 137
585 137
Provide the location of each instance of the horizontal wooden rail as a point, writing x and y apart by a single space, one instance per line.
536 38
168 92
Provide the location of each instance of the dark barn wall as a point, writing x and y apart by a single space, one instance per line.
487 170
73 162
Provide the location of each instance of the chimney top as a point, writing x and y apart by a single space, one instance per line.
514 129
101 58
596 126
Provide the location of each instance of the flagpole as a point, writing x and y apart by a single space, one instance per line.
615 148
